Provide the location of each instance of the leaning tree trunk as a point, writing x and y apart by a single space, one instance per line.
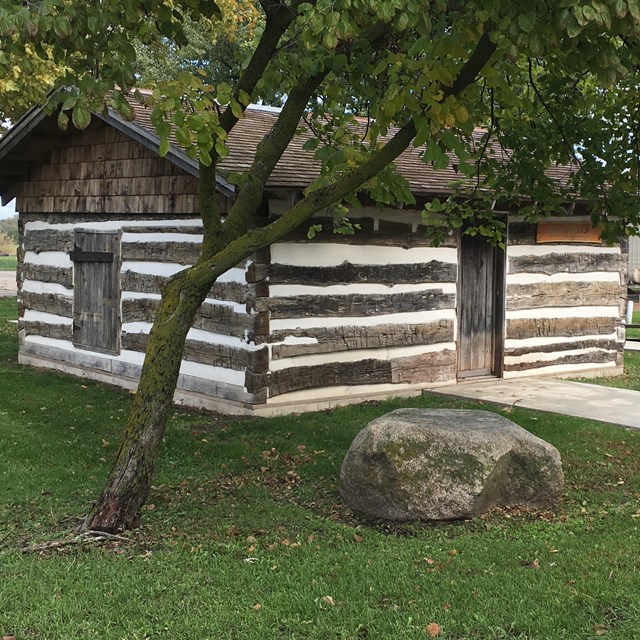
130 480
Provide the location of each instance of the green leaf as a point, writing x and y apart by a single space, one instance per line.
63 120
525 22
81 117
311 144
164 147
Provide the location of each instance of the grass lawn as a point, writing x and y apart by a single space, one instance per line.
244 536
8 263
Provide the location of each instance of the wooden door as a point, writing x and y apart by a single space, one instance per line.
96 290
480 308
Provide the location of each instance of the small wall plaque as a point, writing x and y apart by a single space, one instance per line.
568 231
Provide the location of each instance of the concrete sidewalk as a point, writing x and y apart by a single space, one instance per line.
8 284
608 404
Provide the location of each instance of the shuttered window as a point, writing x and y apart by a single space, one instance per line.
96 290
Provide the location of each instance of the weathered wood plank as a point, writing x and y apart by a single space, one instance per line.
47 273
521 233
609 345
356 305
436 366
57 331
81 218
363 372
46 302
595 357
347 273
335 339
149 283
563 294
49 240
566 263
217 355
179 252
521 329
192 229
387 234
211 317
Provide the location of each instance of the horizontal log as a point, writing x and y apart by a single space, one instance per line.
521 329
211 317
356 305
347 273
566 263
49 240
362 372
191 229
83 218
387 234
521 233
149 283
563 294
436 366
47 303
217 355
57 331
179 252
610 345
47 273
593 357
334 339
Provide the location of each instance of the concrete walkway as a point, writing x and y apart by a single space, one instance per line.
7 284
617 406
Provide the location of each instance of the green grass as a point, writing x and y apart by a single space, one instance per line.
8 263
245 535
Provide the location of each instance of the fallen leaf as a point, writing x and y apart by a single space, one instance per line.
257 606
453 552
83 386
433 629
429 561
251 539
446 606
285 542
151 507
310 539
105 443
328 600
301 447
535 564
600 629
251 549
357 538
8 638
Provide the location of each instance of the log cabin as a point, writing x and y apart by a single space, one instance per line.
104 220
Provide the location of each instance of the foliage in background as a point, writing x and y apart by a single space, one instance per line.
9 227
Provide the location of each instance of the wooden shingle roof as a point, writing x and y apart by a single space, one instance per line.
26 143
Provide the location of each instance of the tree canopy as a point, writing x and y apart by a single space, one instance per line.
547 83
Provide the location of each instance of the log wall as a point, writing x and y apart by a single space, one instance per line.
564 304
222 345
351 314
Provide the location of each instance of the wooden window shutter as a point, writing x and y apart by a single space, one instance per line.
96 290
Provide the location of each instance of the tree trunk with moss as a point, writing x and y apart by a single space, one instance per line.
224 246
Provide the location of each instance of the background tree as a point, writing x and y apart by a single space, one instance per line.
9 227
545 79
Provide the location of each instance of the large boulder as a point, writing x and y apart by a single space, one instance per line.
447 464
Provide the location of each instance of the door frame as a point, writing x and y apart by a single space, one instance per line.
499 311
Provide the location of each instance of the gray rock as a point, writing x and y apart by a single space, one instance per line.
447 464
